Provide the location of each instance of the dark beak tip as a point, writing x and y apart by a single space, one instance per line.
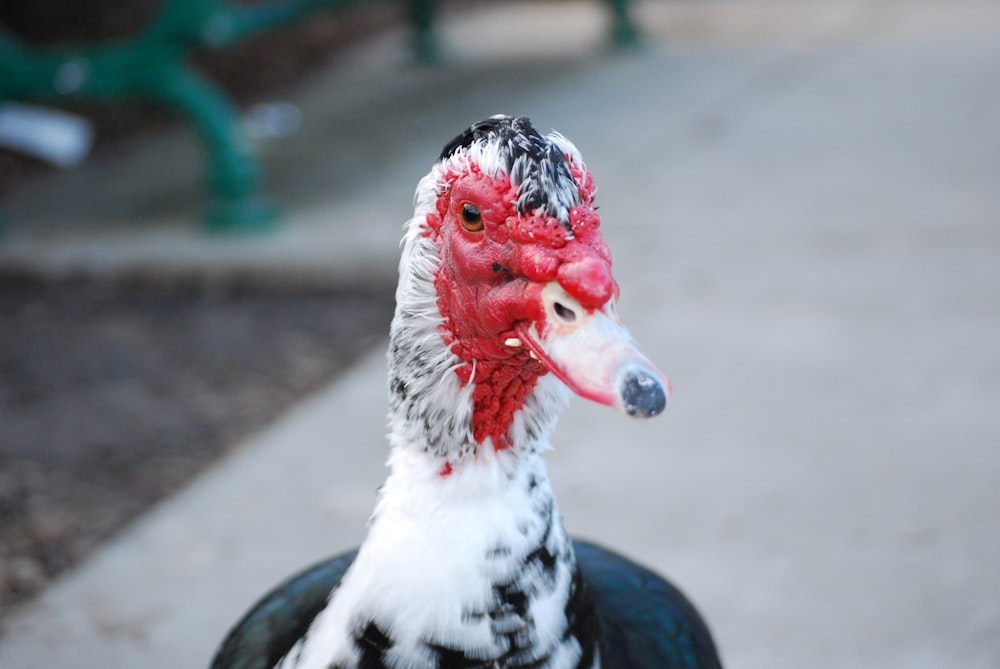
643 396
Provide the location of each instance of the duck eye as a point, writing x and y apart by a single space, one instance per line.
472 218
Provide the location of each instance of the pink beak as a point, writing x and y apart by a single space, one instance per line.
593 354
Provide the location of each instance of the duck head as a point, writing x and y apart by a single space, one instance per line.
506 242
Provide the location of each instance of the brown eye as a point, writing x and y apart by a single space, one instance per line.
472 218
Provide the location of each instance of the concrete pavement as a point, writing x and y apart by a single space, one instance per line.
803 200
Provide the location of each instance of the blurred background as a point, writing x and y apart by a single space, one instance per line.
803 203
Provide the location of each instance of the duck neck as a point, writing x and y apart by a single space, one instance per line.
448 401
474 568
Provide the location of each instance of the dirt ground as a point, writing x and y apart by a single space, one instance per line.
114 394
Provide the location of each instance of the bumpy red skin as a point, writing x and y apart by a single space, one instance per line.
490 281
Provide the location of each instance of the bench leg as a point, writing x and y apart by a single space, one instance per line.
624 31
233 174
425 44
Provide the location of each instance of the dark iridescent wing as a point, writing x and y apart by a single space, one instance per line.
646 623
281 617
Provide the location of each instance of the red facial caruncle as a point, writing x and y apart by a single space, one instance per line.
509 283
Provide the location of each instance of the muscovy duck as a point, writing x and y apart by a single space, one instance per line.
505 300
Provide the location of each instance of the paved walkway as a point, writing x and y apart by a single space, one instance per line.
803 199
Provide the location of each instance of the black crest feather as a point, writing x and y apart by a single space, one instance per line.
534 163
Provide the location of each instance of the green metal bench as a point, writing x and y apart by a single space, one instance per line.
153 65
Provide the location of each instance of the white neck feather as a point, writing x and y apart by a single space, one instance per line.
477 562
429 408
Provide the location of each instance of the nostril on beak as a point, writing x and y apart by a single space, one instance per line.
564 313
642 394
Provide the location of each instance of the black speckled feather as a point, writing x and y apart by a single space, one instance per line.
644 621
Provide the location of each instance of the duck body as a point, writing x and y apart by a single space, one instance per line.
505 303
642 620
